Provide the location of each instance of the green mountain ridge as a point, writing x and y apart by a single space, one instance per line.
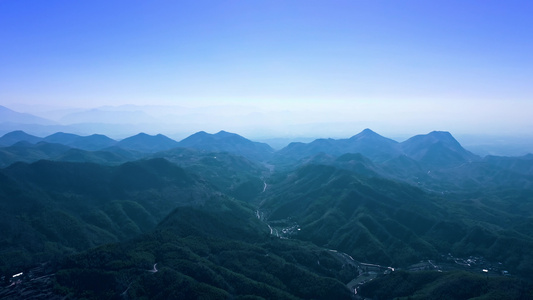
53 208
228 218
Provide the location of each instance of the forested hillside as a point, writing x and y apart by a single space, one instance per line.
220 216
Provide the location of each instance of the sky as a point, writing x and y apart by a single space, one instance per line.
316 67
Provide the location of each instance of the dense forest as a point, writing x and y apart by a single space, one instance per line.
217 216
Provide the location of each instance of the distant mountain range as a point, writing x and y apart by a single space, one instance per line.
92 142
434 148
142 142
367 143
124 121
435 151
10 116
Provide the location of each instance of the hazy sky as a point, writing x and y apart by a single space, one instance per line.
421 65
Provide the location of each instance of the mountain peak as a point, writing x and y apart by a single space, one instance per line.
16 133
13 137
224 141
367 142
368 133
148 143
140 134
441 134
435 146
434 137
223 133
61 138
146 136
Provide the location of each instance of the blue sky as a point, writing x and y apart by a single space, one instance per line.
420 65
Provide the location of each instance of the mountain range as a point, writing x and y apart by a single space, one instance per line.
221 216
435 148
424 148
427 160
174 121
12 117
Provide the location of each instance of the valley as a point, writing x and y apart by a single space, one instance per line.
220 215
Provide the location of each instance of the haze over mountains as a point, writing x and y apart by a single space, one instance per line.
422 148
278 128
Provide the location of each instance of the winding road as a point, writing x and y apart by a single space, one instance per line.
154 270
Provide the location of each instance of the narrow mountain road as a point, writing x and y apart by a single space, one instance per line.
270 229
154 270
